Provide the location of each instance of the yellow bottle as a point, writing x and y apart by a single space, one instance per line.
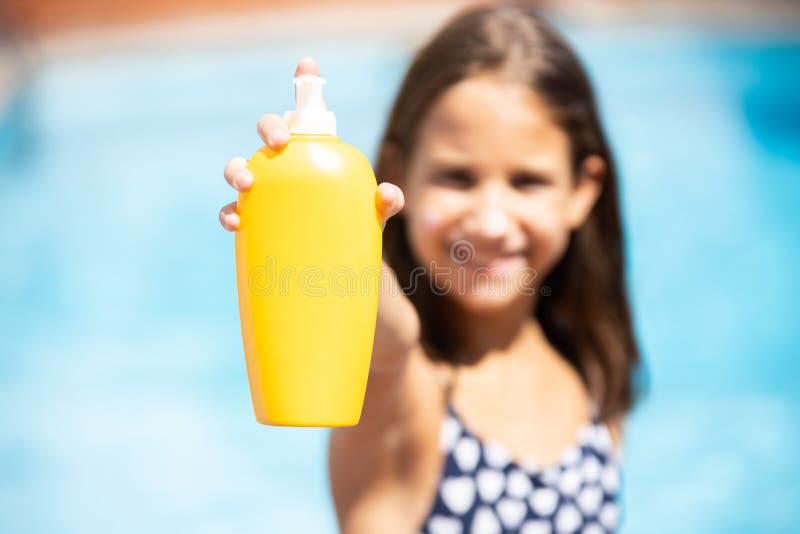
308 256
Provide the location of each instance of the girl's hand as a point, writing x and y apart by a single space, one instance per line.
275 134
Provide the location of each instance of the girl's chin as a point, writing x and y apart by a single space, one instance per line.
488 300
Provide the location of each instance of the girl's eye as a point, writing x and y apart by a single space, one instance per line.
456 178
526 180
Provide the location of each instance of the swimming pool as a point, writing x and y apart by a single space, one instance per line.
125 405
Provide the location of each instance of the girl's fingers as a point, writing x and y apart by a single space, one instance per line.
273 131
271 128
307 65
229 218
237 175
390 200
275 134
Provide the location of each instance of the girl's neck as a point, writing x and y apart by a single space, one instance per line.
512 332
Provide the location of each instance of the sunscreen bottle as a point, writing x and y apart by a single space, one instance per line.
308 258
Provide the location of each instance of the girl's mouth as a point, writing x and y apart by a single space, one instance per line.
499 263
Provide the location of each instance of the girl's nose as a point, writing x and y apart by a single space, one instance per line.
489 217
493 223
488 223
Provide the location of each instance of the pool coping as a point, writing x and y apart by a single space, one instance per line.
405 26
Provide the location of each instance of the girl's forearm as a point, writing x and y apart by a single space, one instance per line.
397 335
397 330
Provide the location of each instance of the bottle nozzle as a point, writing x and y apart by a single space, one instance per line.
308 92
311 115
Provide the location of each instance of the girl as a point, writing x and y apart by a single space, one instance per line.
502 371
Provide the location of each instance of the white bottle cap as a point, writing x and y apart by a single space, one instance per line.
311 115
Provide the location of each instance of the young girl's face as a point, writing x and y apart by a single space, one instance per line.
491 194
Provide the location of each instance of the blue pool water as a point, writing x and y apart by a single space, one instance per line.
123 395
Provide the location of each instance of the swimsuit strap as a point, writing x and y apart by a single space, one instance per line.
452 382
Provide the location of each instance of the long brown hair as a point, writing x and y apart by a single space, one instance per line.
586 315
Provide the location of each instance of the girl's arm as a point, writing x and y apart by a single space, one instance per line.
397 334
367 460
397 329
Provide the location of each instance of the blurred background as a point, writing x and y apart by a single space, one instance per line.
124 402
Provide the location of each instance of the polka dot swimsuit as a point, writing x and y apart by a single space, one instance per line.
483 491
